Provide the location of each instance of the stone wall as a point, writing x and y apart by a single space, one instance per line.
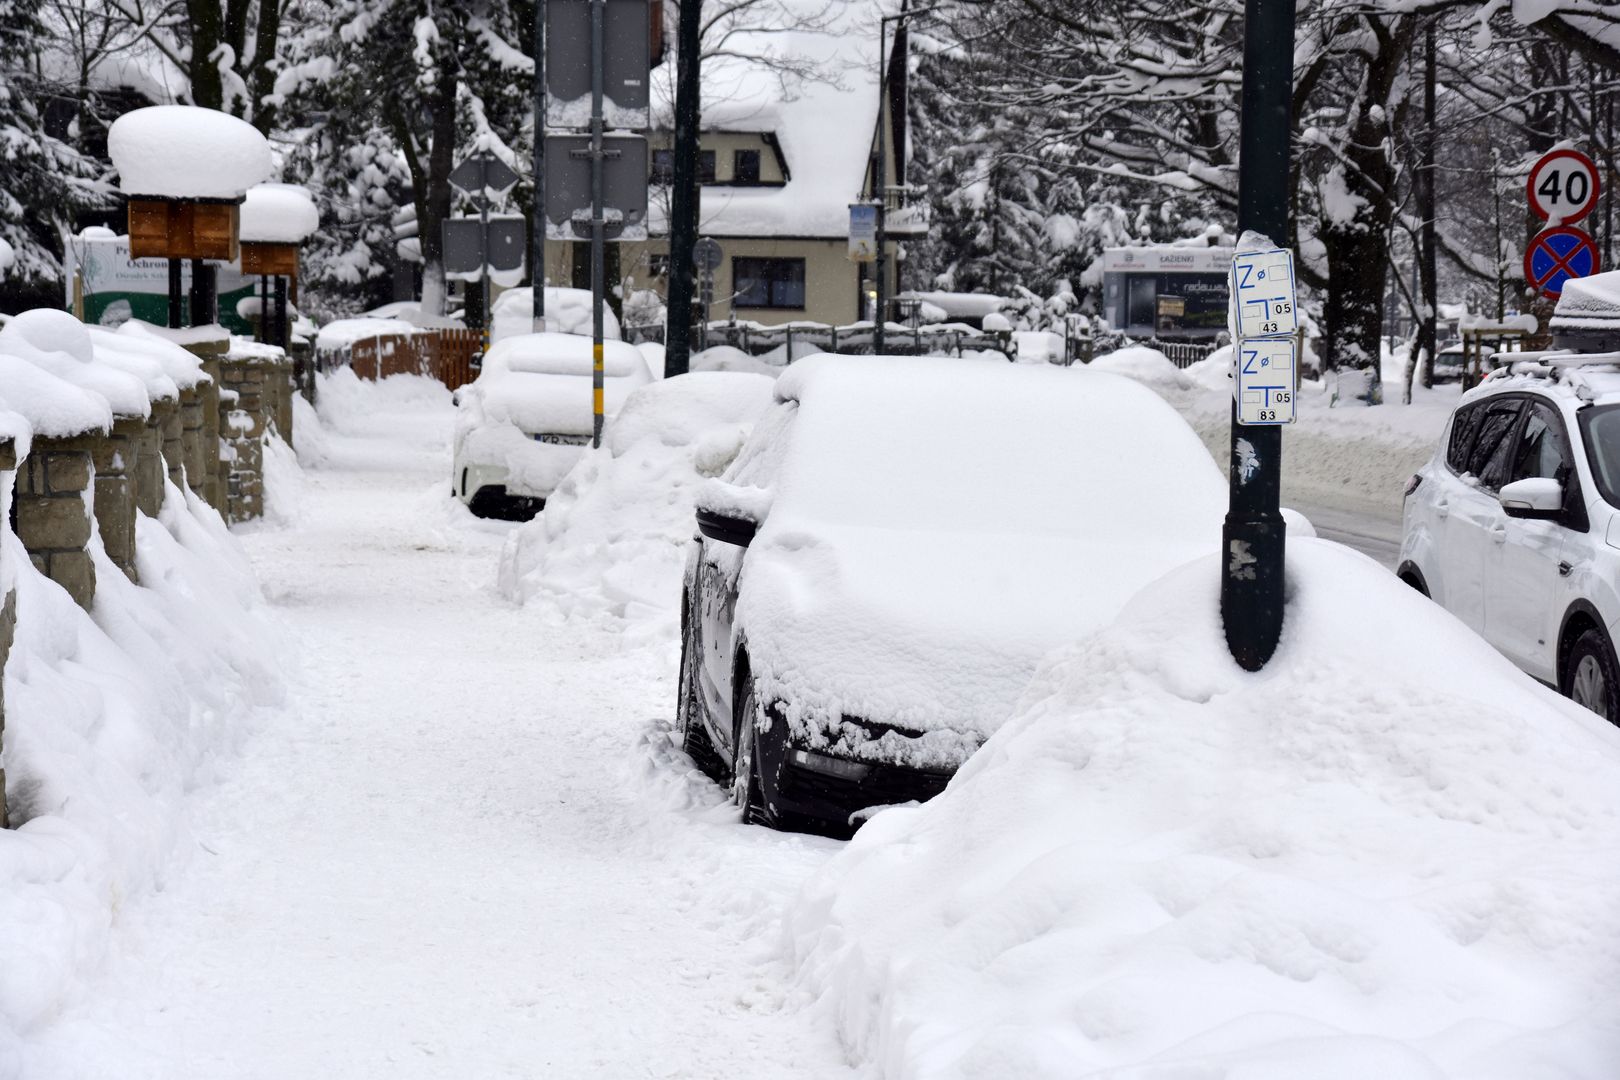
117 462
53 497
242 425
8 628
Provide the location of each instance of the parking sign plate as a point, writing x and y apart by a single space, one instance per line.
1265 382
1263 291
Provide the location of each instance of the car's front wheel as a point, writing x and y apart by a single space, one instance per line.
747 789
1590 676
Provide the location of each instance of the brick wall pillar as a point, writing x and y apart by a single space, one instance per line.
174 454
213 477
244 422
53 513
150 470
191 441
117 462
8 627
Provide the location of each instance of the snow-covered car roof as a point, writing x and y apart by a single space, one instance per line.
542 382
936 527
552 353
568 311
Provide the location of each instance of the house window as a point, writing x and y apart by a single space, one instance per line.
705 166
768 283
658 265
663 170
745 167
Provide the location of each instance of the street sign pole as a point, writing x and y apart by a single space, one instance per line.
598 247
483 247
537 271
1253 537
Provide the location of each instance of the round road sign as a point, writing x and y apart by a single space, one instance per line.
1563 187
706 254
1556 255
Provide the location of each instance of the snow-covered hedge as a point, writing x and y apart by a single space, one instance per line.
1388 855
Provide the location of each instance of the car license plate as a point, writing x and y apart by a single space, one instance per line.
562 440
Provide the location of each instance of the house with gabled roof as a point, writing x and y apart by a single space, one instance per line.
788 136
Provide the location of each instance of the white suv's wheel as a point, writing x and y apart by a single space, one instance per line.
1591 680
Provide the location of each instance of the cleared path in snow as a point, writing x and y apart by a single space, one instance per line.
469 853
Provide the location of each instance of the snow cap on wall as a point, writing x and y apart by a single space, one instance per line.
183 152
278 214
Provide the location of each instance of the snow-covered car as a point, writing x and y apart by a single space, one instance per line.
1514 524
896 547
568 311
1448 363
522 424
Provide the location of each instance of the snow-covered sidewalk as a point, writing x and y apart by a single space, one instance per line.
467 851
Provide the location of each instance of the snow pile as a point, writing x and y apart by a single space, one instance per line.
184 152
341 334
568 311
110 721
937 526
1214 372
1145 365
731 358
615 533
1166 867
279 214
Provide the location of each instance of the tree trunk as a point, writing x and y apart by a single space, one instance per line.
263 83
1428 337
432 191
207 88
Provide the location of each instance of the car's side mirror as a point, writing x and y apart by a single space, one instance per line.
1536 497
726 528
730 513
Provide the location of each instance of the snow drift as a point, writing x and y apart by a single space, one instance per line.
613 538
1388 854
111 718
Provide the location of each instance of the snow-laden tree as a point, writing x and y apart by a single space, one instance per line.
396 91
44 181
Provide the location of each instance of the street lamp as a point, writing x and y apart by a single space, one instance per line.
880 178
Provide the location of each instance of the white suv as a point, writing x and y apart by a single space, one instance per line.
1513 525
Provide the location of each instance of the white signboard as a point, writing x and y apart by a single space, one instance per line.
1265 381
862 232
1263 293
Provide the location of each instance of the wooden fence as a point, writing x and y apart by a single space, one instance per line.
446 355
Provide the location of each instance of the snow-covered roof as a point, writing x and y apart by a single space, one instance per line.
184 152
278 214
824 122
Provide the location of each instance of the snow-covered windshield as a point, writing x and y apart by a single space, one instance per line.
970 446
1600 428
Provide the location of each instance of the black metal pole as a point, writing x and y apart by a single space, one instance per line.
203 299
683 209
537 273
176 291
598 248
283 331
879 182
483 249
1253 538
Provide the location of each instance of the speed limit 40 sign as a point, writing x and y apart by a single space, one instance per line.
1562 187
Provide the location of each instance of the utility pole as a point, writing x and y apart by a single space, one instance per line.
598 246
537 272
684 199
1253 537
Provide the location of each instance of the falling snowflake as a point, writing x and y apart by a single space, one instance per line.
1248 462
